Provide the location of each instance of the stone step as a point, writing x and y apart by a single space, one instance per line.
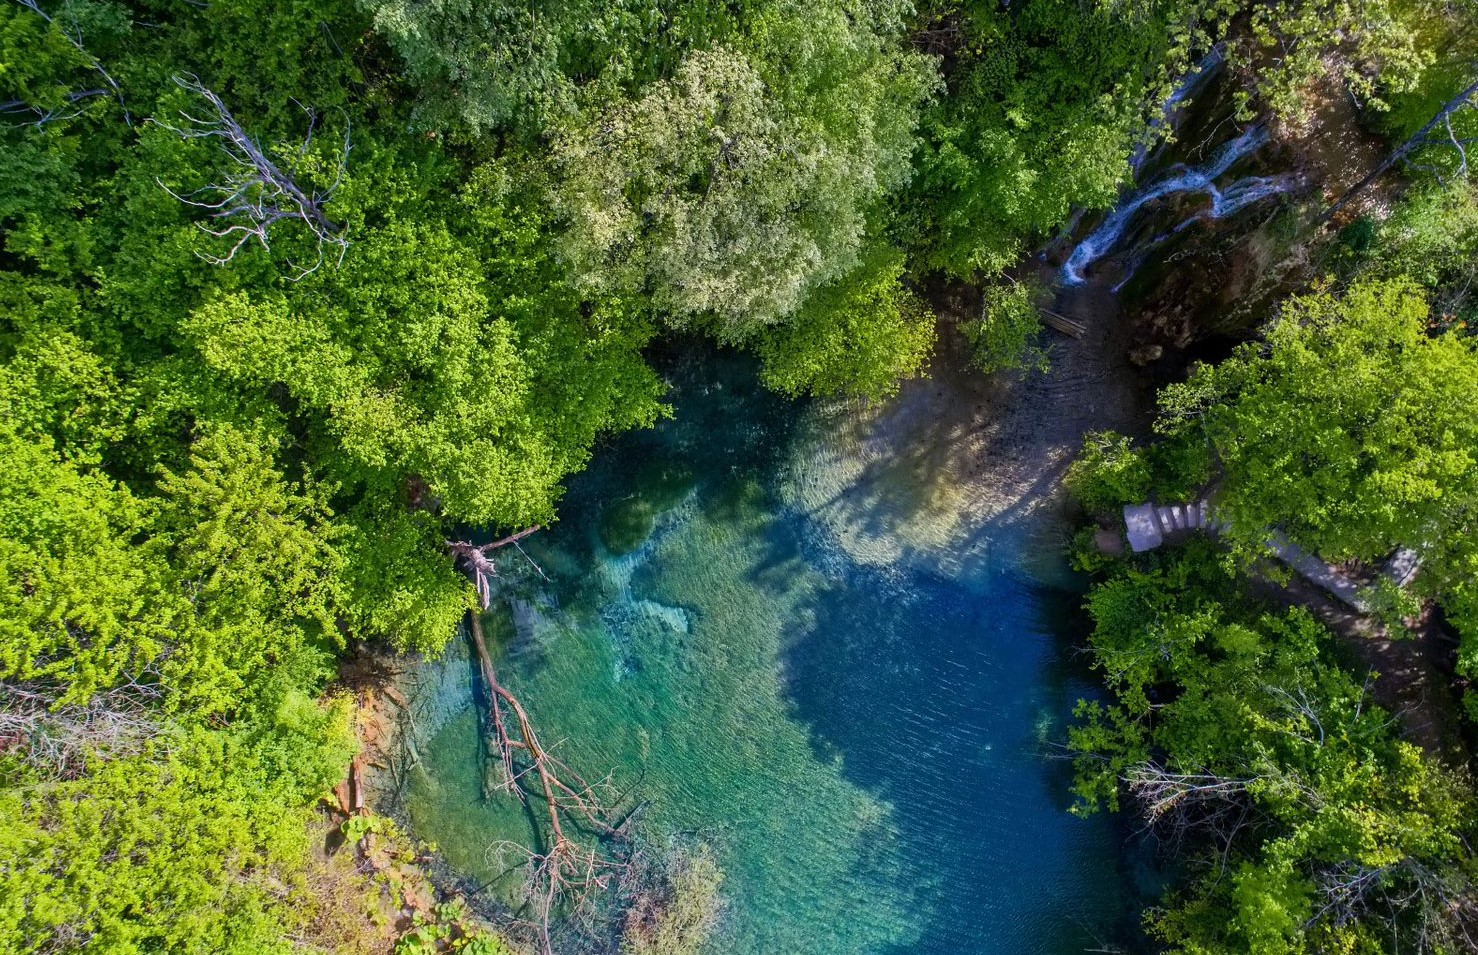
1402 566
1149 524
1142 527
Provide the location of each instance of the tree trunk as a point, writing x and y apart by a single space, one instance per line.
1401 152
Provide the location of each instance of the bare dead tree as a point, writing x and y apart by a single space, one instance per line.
54 738
256 193
65 110
1196 806
1343 890
73 35
1437 132
1429 910
1162 793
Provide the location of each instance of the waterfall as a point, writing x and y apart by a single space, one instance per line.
1182 179
1170 116
1170 110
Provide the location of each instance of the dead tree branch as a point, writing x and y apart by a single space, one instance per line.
1427 909
1181 806
477 561
1300 706
564 869
256 193
1428 135
18 107
73 35
1166 796
54 739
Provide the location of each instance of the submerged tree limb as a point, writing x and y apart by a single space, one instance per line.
477 560
566 870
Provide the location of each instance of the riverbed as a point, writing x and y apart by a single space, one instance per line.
833 641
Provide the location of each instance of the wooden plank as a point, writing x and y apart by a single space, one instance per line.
1062 323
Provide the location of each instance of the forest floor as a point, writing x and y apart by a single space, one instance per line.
387 866
1334 150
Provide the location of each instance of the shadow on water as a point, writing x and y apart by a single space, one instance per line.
941 701
864 741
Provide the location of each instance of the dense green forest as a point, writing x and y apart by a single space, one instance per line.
291 293
1241 728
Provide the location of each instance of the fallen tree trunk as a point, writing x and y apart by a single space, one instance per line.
1422 137
476 560
566 869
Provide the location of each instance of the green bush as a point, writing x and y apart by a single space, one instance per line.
1179 467
1108 472
1005 336
860 335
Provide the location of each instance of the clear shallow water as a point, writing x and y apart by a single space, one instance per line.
864 744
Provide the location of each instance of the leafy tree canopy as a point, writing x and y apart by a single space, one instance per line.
1349 429
1307 825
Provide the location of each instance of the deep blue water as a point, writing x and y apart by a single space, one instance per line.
868 745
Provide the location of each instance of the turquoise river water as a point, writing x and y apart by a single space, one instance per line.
857 713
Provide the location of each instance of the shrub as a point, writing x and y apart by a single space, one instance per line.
1108 472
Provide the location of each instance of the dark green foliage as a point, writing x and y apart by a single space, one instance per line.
1431 238
1284 786
215 476
212 476
1046 102
1180 468
1309 824
1350 430
485 66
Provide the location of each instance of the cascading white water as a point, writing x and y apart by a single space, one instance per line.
1170 110
1224 202
1182 179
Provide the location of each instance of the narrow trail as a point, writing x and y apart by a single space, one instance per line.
1412 682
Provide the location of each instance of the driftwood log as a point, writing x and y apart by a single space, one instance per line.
563 869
